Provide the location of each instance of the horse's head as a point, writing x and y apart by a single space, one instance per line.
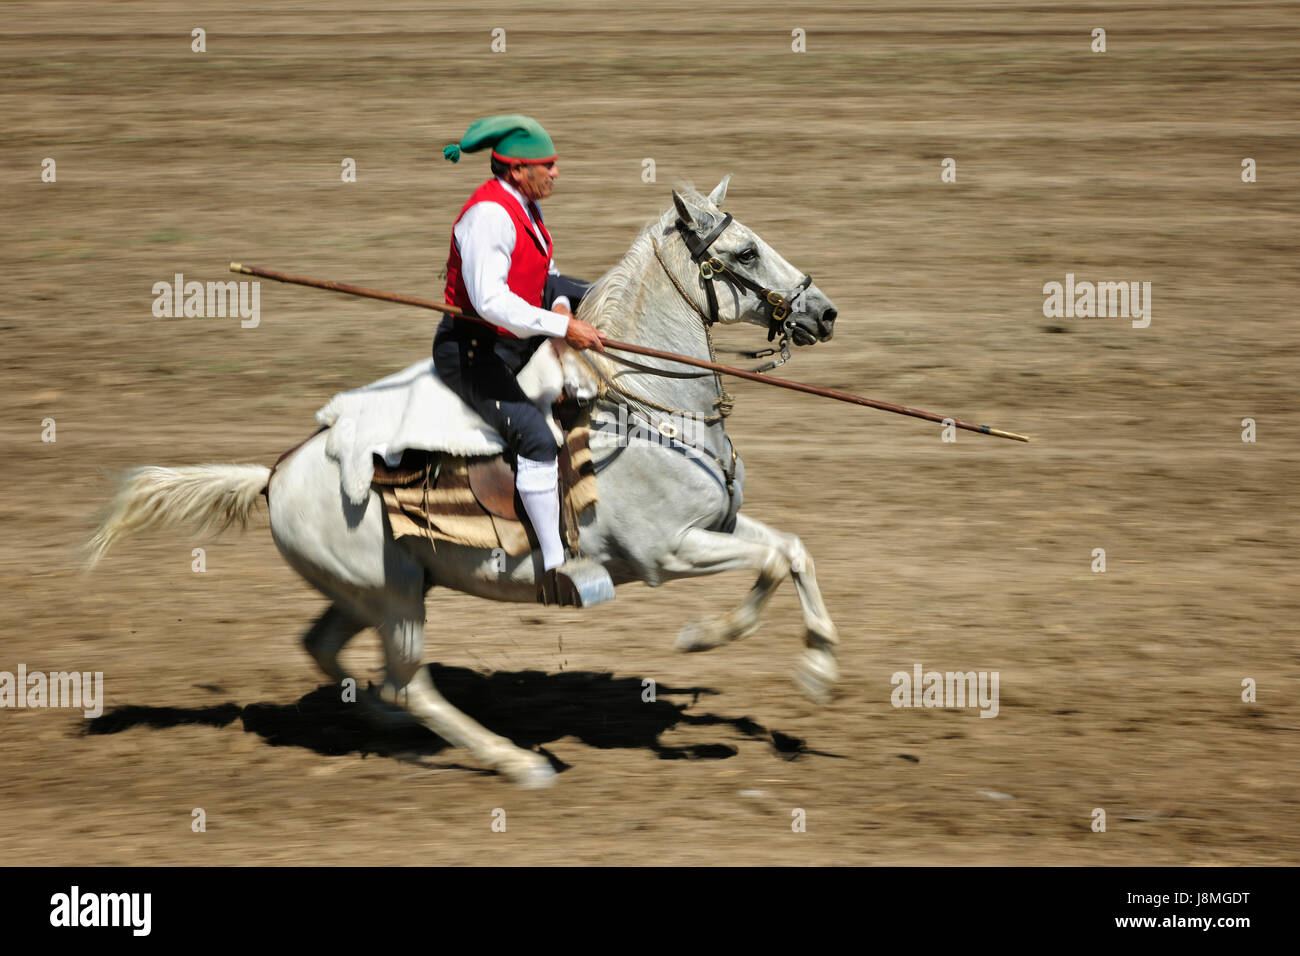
743 279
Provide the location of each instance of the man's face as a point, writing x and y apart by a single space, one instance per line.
535 180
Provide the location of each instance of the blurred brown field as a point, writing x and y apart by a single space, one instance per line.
1119 690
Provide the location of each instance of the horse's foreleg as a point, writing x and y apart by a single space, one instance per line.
817 671
821 632
708 552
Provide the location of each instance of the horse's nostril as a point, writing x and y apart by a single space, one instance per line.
826 324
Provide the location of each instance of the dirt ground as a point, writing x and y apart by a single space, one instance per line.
1119 690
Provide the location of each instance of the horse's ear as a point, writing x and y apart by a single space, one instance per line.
683 211
720 191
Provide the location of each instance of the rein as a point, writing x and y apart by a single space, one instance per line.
779 320
710 267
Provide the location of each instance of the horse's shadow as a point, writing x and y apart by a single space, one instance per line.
529 707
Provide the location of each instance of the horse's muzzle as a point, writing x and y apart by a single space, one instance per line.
810 328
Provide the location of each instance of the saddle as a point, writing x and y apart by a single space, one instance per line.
472 500
444 474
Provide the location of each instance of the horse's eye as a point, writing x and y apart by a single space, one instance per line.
747 255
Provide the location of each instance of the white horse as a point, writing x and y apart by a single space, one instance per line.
668 508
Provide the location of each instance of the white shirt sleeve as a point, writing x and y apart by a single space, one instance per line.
485 237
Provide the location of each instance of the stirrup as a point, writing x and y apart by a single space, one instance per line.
578 582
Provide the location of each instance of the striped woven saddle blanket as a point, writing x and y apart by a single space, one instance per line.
471 500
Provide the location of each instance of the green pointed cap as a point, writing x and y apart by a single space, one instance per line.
510 136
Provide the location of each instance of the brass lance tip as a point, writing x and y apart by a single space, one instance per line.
1012 435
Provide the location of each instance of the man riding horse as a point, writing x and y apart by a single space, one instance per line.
500 268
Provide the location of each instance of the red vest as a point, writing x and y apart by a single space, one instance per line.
528 264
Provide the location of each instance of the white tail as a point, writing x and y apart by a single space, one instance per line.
205 498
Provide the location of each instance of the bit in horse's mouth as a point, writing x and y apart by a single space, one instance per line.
802 336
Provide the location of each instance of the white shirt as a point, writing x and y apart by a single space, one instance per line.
485 237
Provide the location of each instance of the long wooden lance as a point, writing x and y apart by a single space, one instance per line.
638 349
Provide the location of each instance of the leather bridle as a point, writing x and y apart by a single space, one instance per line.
779 320
778 306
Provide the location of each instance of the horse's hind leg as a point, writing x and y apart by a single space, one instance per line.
326 638
408 685
348 554
524 767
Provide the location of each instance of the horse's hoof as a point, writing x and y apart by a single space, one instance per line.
699 636
815 675
533 775
382 714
